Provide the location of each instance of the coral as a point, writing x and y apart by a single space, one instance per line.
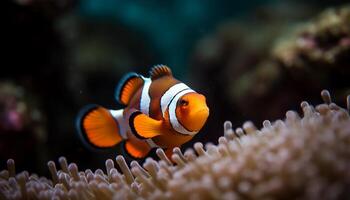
302 157
21 125
316 53
18 109
324 41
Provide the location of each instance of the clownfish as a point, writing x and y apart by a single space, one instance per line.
159 112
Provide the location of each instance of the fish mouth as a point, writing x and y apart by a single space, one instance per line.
204 111
199 118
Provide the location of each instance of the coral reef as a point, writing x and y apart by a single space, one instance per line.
302 157
317 53
323 42
21 125
273 59
68 53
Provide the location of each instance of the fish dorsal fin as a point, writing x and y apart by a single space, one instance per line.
159 71
127 87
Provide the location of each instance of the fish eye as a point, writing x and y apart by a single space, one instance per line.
183 102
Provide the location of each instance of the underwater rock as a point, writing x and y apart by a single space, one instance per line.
302 157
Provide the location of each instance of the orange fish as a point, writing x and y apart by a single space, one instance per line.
160 111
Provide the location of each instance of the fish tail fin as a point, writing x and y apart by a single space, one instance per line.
98 127
127 87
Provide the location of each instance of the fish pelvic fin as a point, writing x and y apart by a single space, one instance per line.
136 149
159 71
97 127
127 87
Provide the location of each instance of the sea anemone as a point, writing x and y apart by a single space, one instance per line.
301 157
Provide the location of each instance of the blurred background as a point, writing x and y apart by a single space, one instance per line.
253 60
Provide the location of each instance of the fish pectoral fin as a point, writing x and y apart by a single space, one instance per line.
136 149
144 127
97 127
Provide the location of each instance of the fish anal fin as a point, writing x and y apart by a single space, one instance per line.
144 127
159 71
136 149
127 87
97 127
169 152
